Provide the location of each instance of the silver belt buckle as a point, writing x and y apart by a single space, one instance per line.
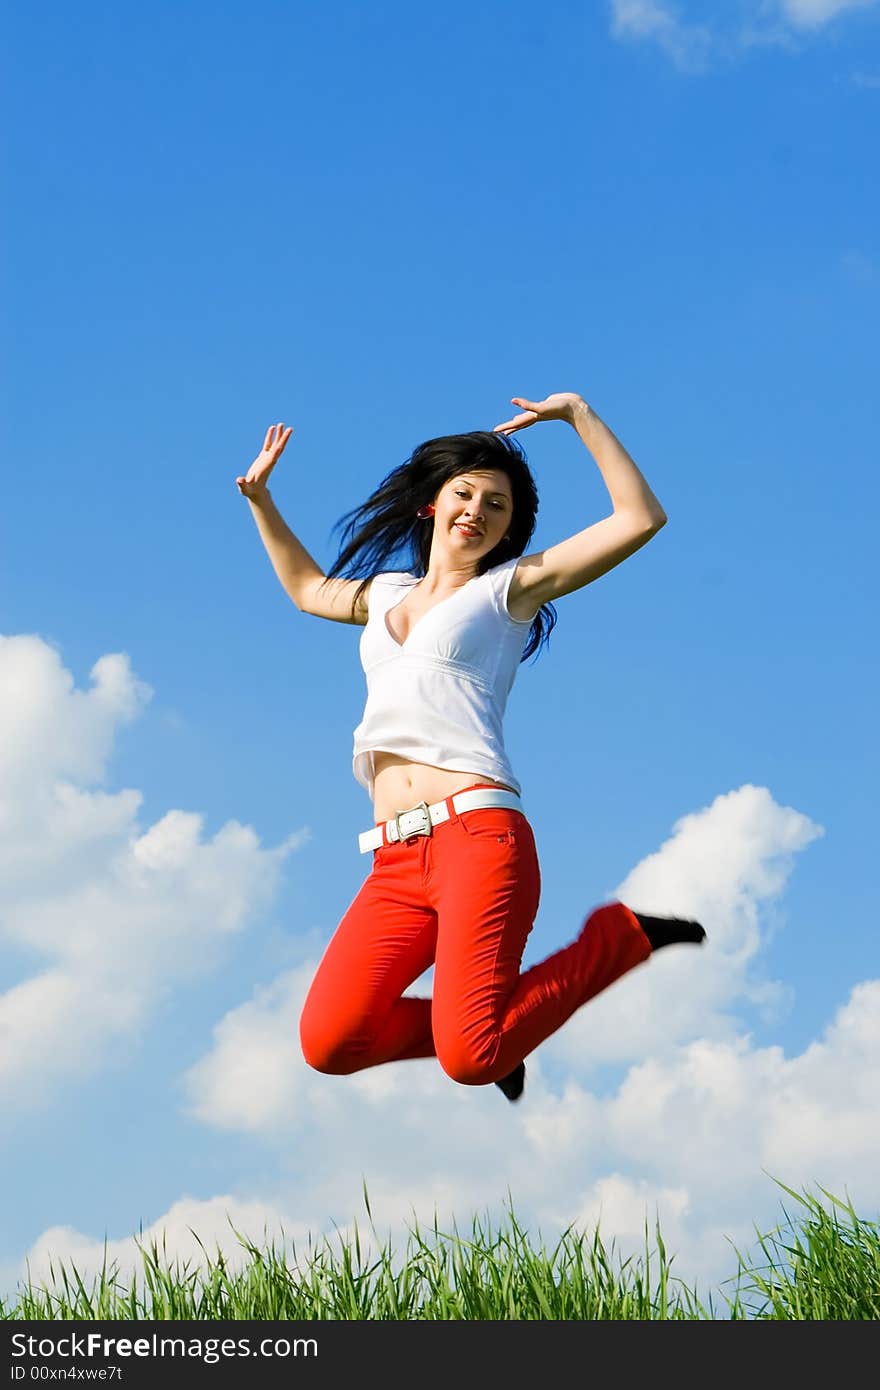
425 829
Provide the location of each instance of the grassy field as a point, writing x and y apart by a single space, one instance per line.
822 1264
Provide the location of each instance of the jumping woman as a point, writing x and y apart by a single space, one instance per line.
454 880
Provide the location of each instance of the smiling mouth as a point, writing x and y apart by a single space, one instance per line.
467 530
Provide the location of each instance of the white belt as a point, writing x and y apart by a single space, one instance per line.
421 819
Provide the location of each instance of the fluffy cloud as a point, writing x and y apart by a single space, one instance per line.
682 32
255 1079
688 45
727 866
215 1222
111 915
812 14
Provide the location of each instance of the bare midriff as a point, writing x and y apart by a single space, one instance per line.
400 783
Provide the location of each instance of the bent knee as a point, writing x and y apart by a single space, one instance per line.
467 1065
324 1052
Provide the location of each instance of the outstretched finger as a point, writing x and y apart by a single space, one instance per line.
519 422
279 442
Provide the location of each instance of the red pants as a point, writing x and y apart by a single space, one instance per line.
463 898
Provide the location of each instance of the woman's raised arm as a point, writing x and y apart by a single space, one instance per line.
549 574
300 575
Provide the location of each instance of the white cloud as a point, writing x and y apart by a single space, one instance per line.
687 44
624 1205
215 1222
255 1078
114 914
683 33
813 14
726 866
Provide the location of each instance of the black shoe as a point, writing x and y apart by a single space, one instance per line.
666 931
512 1085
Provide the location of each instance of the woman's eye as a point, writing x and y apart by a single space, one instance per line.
464 494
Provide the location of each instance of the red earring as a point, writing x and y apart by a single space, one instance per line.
424 512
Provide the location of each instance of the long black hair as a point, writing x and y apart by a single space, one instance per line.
387 523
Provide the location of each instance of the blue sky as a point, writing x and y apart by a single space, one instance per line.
379 226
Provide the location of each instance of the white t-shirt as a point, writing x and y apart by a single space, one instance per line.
439 698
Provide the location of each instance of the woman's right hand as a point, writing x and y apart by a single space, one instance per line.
253 484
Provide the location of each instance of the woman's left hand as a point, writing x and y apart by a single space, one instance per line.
559 406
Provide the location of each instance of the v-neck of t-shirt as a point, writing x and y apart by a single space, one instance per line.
400 645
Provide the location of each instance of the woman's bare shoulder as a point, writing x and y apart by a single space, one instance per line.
522 600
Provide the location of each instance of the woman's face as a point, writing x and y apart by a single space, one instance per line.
473 512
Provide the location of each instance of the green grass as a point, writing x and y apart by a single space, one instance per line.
824 1266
